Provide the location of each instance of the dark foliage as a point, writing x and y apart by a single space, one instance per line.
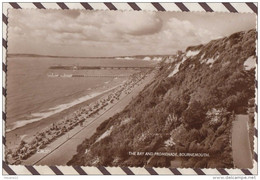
176 108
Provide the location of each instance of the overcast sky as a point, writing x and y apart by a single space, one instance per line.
115 33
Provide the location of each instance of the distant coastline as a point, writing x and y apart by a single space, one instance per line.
13 55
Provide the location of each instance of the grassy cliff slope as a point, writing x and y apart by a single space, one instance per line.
188 108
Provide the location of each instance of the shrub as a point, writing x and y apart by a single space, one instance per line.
194 115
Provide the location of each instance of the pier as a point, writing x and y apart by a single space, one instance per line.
99 76
61 67
83 75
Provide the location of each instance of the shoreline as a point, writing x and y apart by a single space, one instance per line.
49 132
57 109
29 130
53 153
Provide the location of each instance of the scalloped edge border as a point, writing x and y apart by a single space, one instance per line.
132 6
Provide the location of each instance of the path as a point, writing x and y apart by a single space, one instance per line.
242 155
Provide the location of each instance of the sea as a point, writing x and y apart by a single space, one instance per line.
34 94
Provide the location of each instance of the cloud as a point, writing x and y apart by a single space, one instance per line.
185 30
142 23
103 26
70 13
89 25
101 33
178 34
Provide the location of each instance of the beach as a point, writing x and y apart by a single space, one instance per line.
32 94
26 132
35 139
54 153
36 100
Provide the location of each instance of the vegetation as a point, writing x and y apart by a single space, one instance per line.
189 112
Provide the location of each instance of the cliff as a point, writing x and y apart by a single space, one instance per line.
188 108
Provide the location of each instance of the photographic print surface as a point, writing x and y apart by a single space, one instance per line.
130 88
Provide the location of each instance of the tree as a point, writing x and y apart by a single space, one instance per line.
194 115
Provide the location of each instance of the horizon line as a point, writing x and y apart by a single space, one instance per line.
41 55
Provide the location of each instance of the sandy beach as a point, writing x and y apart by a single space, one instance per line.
29 144
26 132
54 153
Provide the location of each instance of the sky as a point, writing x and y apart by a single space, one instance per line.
82 33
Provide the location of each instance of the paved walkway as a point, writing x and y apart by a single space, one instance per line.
242 155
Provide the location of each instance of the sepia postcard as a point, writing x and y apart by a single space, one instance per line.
130 88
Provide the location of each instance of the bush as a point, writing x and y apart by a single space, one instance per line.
218 145
103 125
195 115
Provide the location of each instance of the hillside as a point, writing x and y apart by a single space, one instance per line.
188 108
